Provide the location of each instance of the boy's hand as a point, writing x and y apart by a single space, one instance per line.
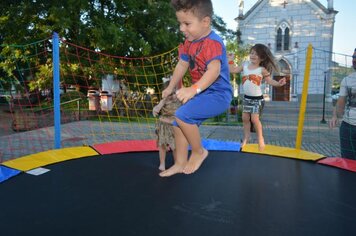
185 94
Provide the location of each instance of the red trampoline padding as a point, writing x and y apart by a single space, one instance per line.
339 162
126 146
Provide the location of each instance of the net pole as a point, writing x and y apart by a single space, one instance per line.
56 92
303 104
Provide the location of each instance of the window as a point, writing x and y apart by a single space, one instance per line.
279 39
283 66
283 37
286 39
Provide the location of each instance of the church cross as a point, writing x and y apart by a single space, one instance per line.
284 4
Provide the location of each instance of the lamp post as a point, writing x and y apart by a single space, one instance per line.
323 121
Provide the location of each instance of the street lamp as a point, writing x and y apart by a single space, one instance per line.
323 121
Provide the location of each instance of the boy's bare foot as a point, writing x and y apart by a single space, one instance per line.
261 144
175 169
195 162
162 167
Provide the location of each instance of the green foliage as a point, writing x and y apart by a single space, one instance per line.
44 77
11 59
135 28
241 52
236 101
126 28
219 25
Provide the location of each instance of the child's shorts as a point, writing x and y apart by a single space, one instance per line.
201 107
253 105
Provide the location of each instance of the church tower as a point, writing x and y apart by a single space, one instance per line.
287 27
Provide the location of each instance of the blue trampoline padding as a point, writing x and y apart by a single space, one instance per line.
6 173
217 145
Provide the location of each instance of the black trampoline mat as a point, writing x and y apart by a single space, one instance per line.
231 194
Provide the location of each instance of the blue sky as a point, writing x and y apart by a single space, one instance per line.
345 29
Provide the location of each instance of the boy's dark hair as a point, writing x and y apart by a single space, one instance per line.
200 8
267 59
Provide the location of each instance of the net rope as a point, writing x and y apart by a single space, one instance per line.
106 98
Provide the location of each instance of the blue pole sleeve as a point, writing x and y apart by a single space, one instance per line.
56 92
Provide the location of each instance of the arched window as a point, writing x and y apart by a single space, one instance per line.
283 37
279 39
283 66
286 39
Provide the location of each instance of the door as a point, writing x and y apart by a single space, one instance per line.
281 93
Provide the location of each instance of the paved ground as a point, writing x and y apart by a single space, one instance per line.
280 121
5 121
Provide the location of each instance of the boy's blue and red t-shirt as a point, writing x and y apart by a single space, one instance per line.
200 53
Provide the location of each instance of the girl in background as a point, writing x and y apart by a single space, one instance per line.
258 68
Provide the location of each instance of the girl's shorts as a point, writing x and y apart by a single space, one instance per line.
253 105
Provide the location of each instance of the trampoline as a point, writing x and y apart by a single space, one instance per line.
233 193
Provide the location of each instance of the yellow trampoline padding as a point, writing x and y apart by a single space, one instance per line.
40 159
283 152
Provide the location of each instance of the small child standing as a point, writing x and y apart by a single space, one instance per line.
260 66
164 125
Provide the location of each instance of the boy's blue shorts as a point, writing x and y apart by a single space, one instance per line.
201 107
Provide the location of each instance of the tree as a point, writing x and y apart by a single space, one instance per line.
241 52
135 28
126 28
219 25
118 27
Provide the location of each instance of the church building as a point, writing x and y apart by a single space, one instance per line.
287 27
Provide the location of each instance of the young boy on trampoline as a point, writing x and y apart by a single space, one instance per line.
164 129
259 67
203 53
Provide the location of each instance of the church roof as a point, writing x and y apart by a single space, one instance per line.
316 2
322 7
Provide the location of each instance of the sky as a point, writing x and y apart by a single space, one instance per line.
344 28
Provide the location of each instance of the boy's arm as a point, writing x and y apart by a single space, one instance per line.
179 71
210 75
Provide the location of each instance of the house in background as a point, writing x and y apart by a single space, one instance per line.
287 27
